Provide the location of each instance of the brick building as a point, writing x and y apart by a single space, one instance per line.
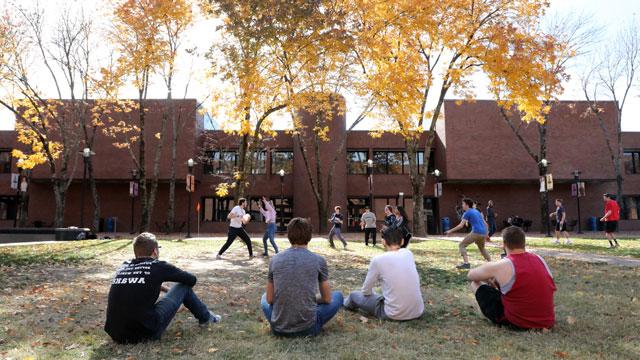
475 151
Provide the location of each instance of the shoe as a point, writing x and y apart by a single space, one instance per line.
265 255
557 242
219 257
213 319
611 247
463 266
568 242
617 245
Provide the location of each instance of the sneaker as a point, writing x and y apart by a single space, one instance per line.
265 255
463 266
557 242
568 242
611 247
617 245
218 257
213 319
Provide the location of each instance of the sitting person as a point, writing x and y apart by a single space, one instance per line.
401 297
295 275
134 313
516 291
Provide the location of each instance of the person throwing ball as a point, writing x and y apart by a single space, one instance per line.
237 218
477 235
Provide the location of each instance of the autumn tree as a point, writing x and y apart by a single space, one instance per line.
539 60
147 35
53 127
414 53
251 89
614 74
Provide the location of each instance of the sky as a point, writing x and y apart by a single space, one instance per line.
609 15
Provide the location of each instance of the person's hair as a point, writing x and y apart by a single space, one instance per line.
299 231
388 207
513 237
337 208
610 196
144 244
366 208
490 203
559 200
468 201
403 212
392 236
241 201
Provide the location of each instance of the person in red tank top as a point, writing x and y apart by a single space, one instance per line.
610 219
518 290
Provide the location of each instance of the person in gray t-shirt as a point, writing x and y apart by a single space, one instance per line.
291 304
368 224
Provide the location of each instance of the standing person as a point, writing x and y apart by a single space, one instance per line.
368 223
402 224
561 222
518 290
296 275
610 219
134 313
336 230
389 218
401 298
477 235
237 219
269 214
491 218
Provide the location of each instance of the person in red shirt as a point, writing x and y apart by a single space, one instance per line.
518 290
610 219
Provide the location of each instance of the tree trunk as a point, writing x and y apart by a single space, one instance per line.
156 167
171 212
144 205
94 195
418 182
544 195
618 162
59 196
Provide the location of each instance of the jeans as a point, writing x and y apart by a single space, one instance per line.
325 312
167 307
336 231
369 232
270 233
492 226
370 304
232 235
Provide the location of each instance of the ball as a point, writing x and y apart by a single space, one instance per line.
246 218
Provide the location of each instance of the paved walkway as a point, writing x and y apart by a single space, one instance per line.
571 255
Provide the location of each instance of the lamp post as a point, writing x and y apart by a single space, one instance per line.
543 167
401 199
281 173
190 189
576 177
370 177
86 154
133 192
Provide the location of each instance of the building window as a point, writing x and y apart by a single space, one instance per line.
220 162
396 162
8 207
631 160
5 161
281 159
284 211
630 207
357 162
259 163
216 209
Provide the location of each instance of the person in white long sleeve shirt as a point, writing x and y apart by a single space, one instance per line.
401 297
269 215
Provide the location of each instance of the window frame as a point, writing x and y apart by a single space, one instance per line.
349 162
6 167
275 169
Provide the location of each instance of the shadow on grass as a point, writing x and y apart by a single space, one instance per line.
35 256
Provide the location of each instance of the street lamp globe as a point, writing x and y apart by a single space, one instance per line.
370 163
544 162
190 163
86 152
281 173
436 172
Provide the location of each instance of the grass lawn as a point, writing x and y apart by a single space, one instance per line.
53 300
628 247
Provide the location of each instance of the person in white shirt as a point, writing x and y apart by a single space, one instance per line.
401 297
269 215
236 220
368 224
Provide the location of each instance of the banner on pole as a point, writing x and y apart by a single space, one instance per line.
191 183
578 190
133 188
437 189
15 179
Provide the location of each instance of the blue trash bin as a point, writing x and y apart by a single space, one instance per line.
593 223
108 224
446 224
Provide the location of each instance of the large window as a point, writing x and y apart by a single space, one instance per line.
8 207
631 160
259 163
5 161
220 162
395 162
630 207
284 211
357 161
282 159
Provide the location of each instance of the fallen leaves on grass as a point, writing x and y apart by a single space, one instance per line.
561 354
571 320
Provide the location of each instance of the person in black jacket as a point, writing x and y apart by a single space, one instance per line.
134 313
402 223
389 218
